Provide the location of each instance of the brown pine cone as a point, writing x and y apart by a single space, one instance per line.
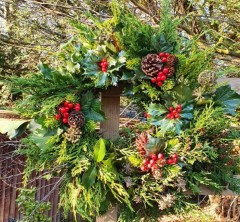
152 65
171 71
161 163
172 60
157 174
76 119
141 142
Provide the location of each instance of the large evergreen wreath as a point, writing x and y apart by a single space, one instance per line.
186 141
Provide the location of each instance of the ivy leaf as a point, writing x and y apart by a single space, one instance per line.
89 177
45 70
182 93
99 150
227 98
12 127
155 145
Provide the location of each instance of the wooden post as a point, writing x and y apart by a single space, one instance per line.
110 100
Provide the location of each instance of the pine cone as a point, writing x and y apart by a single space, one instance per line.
171 71
157 174
73 134
161 163
152 65
172 60
141 142
76 119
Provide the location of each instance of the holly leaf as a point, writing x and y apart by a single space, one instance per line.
114 80
156 109
89 177
187 112
155 145
127 76
101 79
167 124
91 107
99 150
228 98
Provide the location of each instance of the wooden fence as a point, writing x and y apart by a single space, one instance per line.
11 172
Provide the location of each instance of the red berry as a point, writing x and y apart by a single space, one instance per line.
65 104
149 166
160 156
152 162
159 78
65 120
169 115
153 80
154 157
174 156
159 83
161 54
77 108
177 115
65 115
77 104
104 69
171 109
160 73
172 117
70 105
62 110
144 168
174 112
169 161
58 116
167 54
174 160
104 64
164 59
145 161
163 78
66 109
104 60
179 108
165 71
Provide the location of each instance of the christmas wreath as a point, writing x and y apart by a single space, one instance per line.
187 139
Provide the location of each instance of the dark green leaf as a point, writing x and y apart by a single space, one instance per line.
114 80
101 79
182 93
227 98
89 177
155 145
99 150
46 71
127 76
156 109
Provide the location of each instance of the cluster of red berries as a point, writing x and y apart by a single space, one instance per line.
65 109
174 113
156 161
103 65
164 73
